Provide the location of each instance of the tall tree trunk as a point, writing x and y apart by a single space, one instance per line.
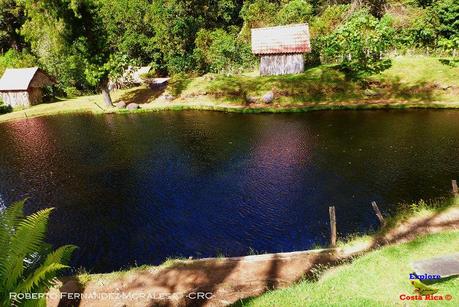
106 94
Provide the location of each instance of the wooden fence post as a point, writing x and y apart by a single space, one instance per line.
378 214
455 189
331 211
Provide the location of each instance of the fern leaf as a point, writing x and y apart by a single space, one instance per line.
39 276
9 219
27 239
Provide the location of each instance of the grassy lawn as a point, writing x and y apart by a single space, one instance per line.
92 104
376 279
418 69
412 79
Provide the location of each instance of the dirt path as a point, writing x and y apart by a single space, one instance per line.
226 280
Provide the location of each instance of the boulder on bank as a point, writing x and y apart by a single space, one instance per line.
251 99
121 105
168 97
133 106
268 97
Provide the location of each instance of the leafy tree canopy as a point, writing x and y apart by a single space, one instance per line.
84 42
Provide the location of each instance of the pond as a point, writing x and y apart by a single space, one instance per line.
140 188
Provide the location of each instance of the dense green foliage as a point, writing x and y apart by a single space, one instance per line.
27 264
360 43
84 42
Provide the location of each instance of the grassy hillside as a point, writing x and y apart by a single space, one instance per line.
377 279
412 79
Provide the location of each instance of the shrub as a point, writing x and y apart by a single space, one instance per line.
5 109
448 15
71 91
320 27
26 262
177 83
360 44
149 75
295 11
15 59
220 51
257 14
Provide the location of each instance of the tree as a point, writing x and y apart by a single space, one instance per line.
257 14
176 24
360 44
377 7
295 11
447 12
16 59
71 42
52 29
26 262
129 28
94 37
11 19
221 51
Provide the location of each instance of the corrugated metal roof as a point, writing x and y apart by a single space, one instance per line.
282 39
17 79
142 70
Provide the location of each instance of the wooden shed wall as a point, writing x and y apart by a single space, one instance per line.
40 79
281 64
35 95
16 99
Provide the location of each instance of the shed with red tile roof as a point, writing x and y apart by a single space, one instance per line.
281 48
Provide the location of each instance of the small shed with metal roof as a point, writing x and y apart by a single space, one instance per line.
281 48
23 87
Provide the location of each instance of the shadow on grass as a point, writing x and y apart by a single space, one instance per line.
320 84
421 226
142 95
438 281
449 62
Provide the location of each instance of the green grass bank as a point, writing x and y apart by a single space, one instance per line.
376 279
411 82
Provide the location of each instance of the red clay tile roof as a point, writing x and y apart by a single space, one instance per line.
282 39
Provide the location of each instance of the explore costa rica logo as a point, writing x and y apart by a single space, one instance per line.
422 291
428 297
425 276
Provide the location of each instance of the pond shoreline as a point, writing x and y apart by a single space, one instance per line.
300 108
228 280
229 108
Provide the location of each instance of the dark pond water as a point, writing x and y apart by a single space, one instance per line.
136 189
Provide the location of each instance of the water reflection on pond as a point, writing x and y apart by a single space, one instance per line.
135 189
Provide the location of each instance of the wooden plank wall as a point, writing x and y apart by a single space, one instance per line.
16 99
281 64
35 95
